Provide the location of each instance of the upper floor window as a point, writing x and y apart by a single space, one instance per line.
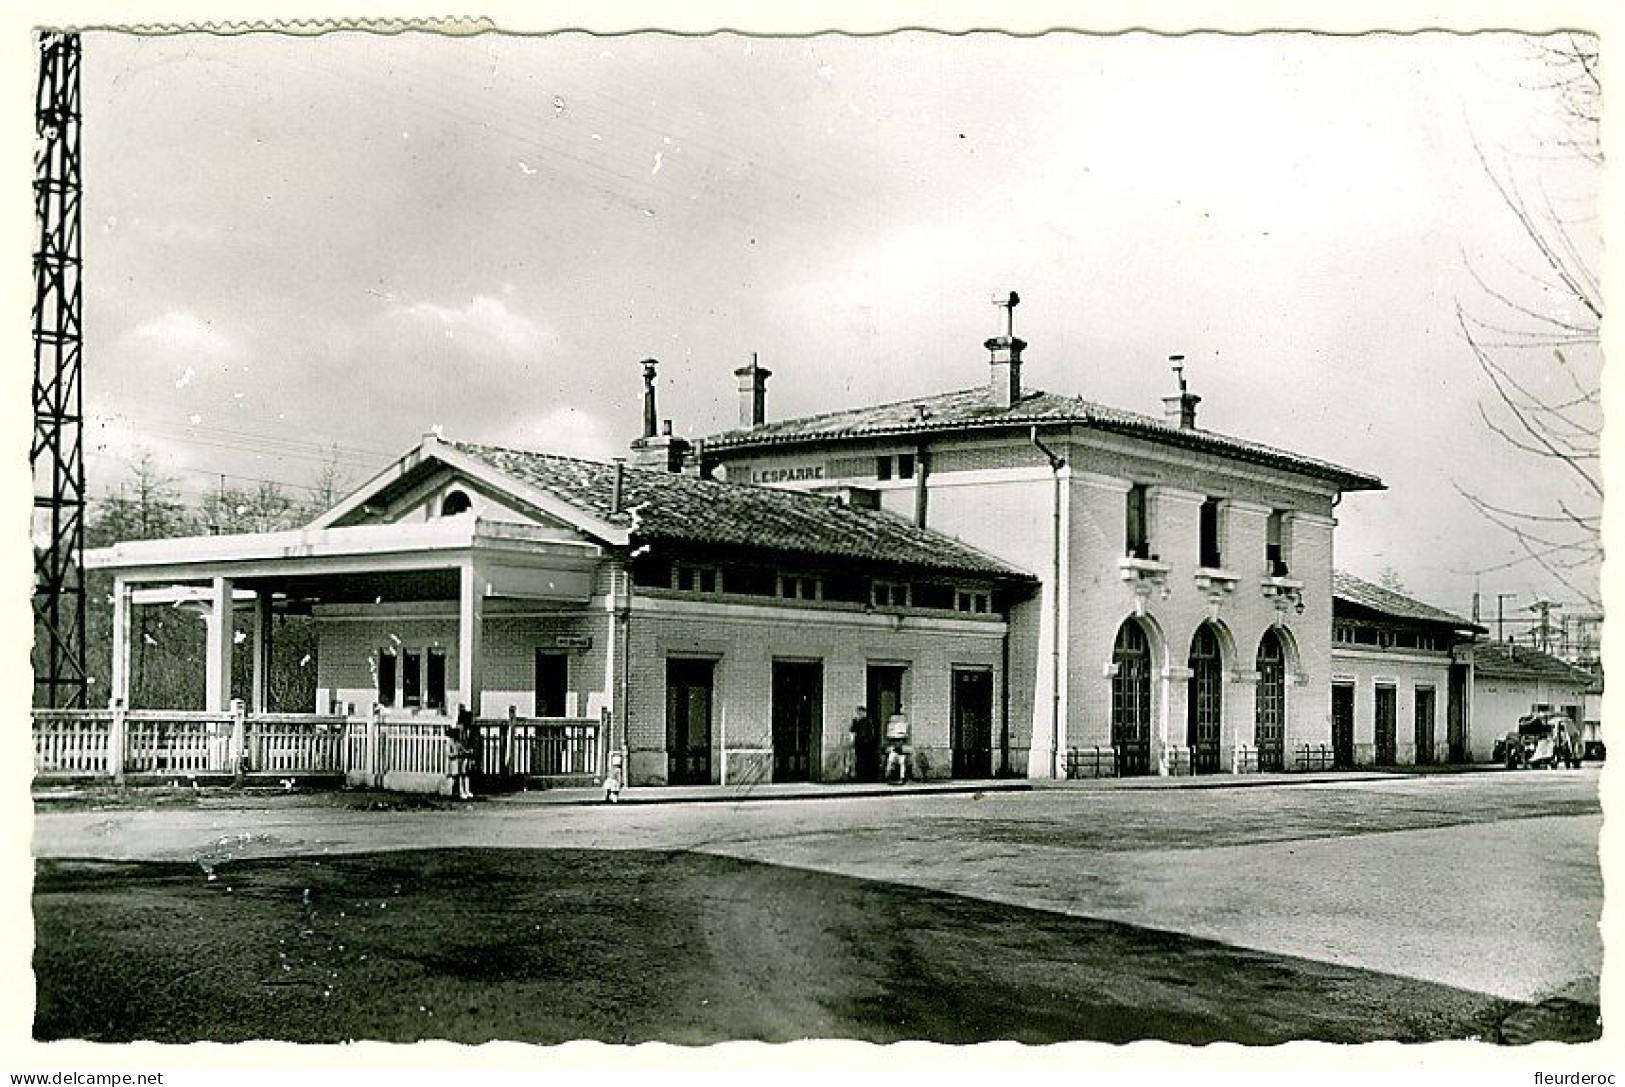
798 587
1210 554
888 594
900 466
454 503
1137 535
975 601
689 578
1275 556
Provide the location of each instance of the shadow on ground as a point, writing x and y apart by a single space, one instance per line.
545 946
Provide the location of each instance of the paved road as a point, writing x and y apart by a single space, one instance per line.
1488 882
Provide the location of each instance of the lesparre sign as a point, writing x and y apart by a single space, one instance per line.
791 474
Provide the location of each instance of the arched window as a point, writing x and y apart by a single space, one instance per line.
454 503
1205 706
1131 700
1269 728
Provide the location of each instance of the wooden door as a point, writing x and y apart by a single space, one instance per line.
552 682
688 721
798 707
1424 725
1387 726
1343 726
972 724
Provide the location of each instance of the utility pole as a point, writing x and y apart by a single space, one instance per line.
1500 614
1544 631
57 454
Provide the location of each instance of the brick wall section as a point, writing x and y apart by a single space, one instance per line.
744 640
1404 670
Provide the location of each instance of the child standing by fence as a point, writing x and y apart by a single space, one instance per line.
460 744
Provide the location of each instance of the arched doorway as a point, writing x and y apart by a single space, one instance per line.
1269 728
1205 705
1131 700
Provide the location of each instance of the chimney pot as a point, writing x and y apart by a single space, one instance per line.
1179 410
752 393
649 414
1004 383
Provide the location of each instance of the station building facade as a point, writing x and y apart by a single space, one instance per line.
1184 617
730 633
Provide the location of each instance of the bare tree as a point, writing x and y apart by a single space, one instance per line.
1538 342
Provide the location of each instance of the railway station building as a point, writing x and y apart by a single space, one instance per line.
1184 618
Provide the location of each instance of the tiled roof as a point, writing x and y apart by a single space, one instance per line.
975 409
1347 587
1505 661
661 505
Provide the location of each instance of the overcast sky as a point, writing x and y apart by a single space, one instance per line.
293 243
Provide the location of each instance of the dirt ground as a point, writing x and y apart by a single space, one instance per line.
547 945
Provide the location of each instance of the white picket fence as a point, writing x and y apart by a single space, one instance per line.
387 752
113 743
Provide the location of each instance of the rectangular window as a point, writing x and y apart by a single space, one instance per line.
1275 544
386 677
694 579
411 679
975 601
882 467
435 679
798 587
1137 541
889 594
1342 632
905 466
928 594
1210 556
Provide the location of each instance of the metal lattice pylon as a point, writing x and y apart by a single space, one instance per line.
57 454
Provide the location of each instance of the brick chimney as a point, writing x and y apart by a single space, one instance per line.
1180 410
752 393
656 450
1004 382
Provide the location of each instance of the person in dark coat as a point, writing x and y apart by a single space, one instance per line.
865 747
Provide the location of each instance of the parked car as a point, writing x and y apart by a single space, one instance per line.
1543 740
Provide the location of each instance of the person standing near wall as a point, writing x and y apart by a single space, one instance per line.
897 749
865 747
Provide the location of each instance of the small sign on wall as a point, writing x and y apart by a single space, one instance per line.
573 641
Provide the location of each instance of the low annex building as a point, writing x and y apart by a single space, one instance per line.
732 633
1511 681
1184 621
1402 679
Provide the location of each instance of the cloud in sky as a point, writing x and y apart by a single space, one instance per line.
484 322
183 336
